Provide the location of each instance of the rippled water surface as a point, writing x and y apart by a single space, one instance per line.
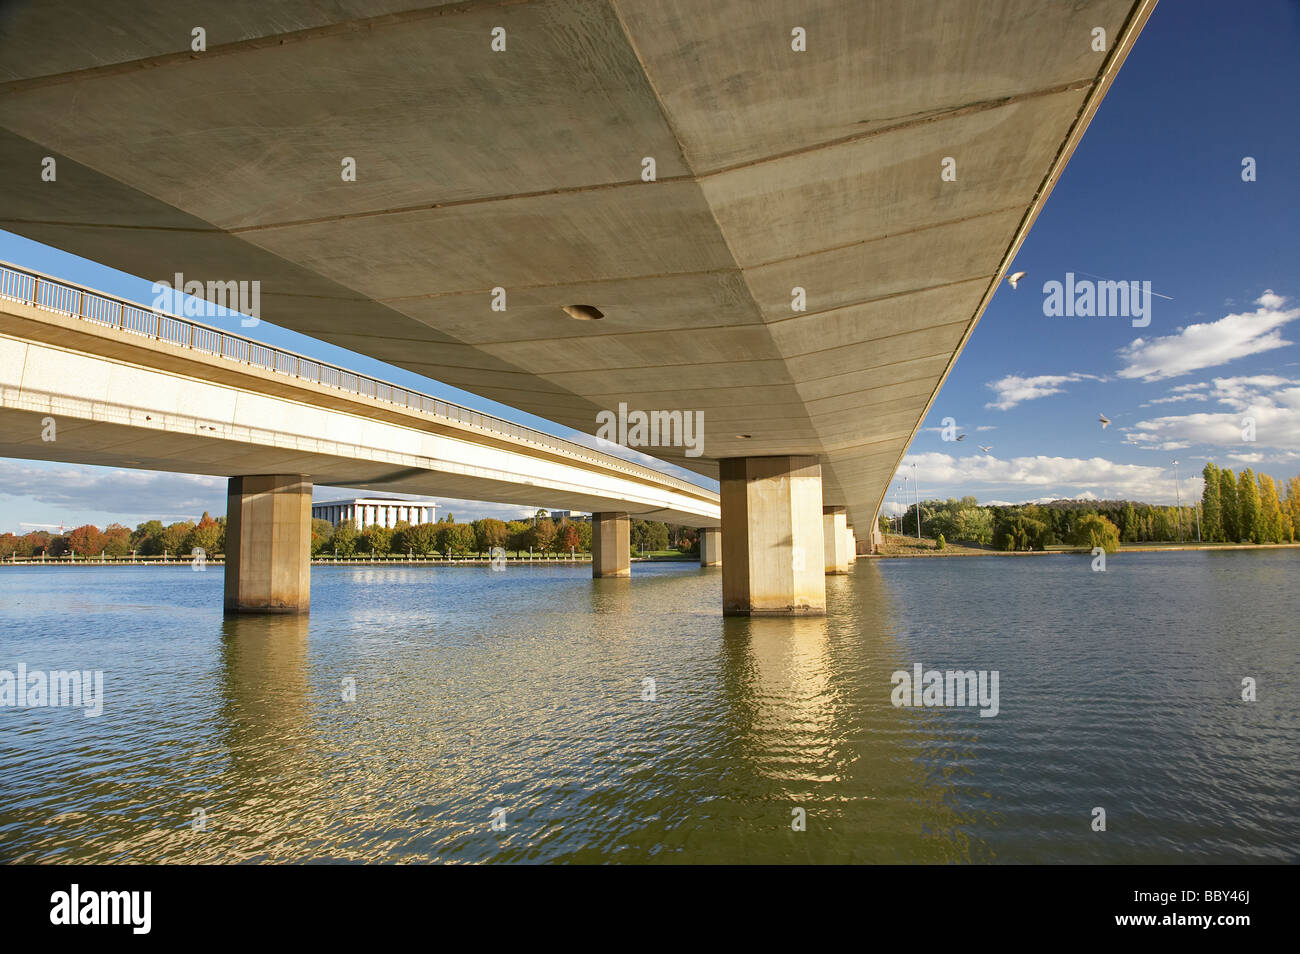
523 691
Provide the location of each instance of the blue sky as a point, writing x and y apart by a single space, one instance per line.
1154 193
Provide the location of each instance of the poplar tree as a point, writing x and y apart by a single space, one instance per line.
1228 505
1293 505
1270 510
1130 534
1211 516
1248 515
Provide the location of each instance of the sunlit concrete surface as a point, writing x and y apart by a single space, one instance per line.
773 557
611 545
523 170
268 544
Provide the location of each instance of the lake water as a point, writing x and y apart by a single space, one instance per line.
517 697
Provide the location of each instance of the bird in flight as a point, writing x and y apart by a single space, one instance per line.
1104 420
961 437
1015 279
986 448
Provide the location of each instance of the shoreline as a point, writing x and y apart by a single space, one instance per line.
952 550
955 550
340 561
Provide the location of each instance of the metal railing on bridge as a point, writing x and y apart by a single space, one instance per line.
52 294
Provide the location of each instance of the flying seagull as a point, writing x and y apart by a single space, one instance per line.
986 449
1104 420
961 437
1015 279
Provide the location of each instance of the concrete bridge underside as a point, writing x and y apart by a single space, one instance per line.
522 169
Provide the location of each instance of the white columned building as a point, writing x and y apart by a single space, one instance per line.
364 512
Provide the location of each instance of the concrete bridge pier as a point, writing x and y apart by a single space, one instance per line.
710 546
835 536
611 544
852 544
773 553
268 544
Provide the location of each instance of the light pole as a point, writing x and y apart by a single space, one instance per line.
916 497
1179 497
902 527
898 520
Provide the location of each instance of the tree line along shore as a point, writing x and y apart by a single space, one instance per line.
1235 509
538 535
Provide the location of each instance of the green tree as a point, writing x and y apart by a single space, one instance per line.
1162 524
321 531
657 536
648 536
1270 510
1093 530
455 539
377 540
489 533
344 539
421 539
940 542
146 539
1292 504
116 540
1248 514
173 538
208 535
1129 531
1229 512
1018 532
517 535
542 535
1212 515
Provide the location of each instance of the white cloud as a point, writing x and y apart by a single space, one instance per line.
1177 398
1014 389
119 493
1209 344
1165 446
105 495
1270 401
1072 478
